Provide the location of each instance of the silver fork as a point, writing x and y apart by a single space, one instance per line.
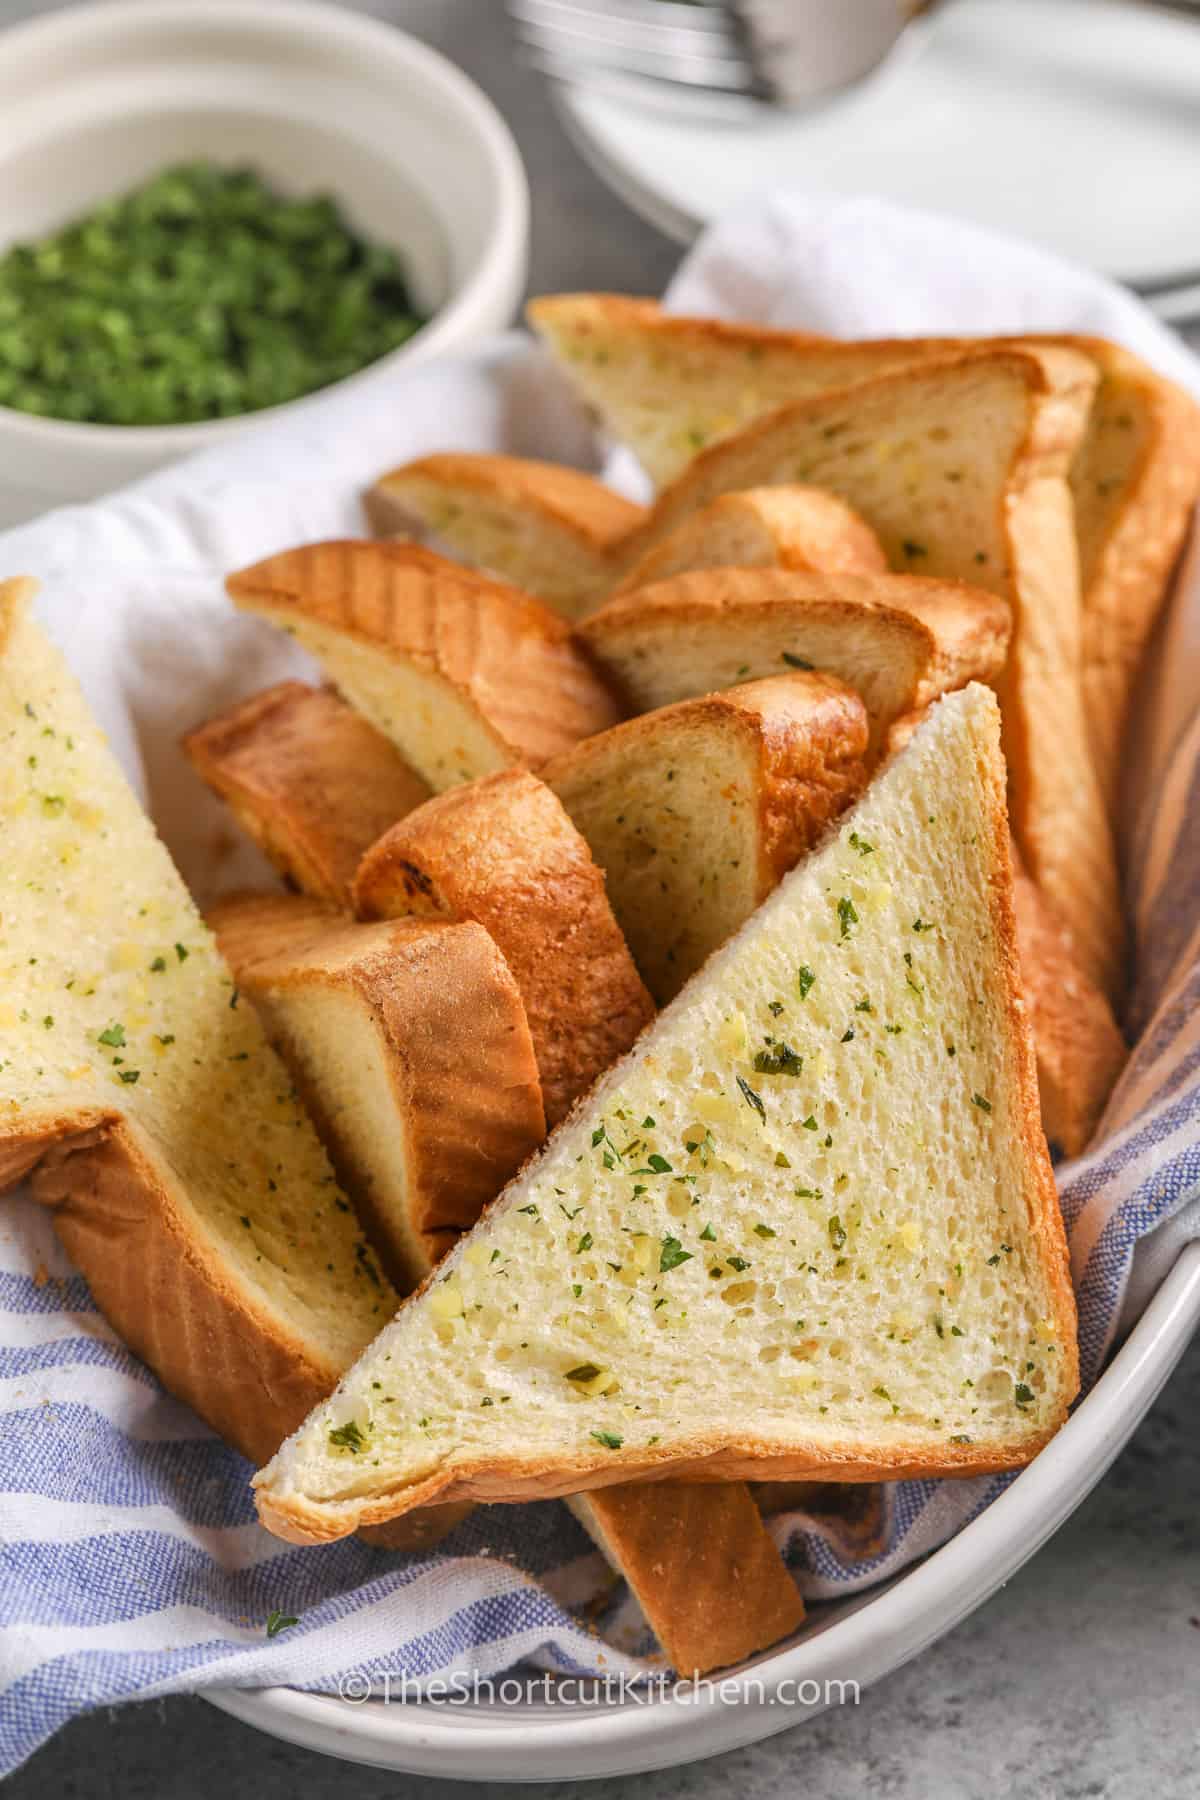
669 52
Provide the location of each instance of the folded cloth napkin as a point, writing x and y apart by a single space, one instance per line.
130 1561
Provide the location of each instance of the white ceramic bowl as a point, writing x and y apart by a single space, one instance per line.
95 99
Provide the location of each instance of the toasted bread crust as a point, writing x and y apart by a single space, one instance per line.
1080 1050
509 659
1049 1231
574 503
703 1567
455 1044
503 852
700 1459
802 528
128 1227
812 735
309 779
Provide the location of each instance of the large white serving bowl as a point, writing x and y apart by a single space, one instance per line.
856 1640
97 98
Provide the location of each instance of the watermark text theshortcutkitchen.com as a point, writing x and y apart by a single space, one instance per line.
614 1689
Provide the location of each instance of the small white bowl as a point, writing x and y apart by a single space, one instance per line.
96 99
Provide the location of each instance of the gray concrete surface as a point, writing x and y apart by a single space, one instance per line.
1079 1681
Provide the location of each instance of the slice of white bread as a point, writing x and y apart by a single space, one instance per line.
464 675
410 1047
548 529
669 386
898 640
962 469
788 527
309 779
806 1229
696 811
503 852
703 1566
185 1181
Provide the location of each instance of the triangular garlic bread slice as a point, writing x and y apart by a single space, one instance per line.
669 386
898 640
139 1092
549 529
807 1228
463 674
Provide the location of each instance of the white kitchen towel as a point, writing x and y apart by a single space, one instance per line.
130 1562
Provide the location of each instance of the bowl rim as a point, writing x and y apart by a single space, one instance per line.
468 310
885 1629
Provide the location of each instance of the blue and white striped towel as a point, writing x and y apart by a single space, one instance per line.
130 1562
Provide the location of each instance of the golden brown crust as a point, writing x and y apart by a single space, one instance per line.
811 732
701 1459
1080 1050
130 1230
1046 1221
573 502
702 1566
509 658
309 779
503 852
454 1044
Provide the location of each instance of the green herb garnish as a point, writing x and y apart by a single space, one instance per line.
752 1099
201 294
778 1059
672 1254
348 1437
